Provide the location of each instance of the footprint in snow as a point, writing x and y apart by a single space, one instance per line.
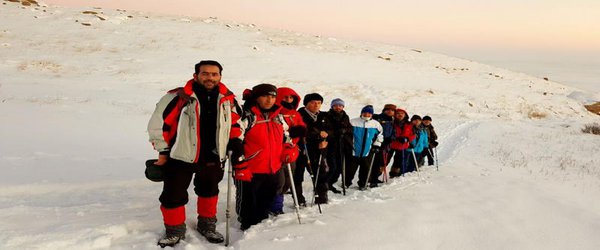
288 237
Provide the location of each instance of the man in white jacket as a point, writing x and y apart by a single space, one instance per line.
191 128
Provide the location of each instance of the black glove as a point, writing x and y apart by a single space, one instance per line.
434 144
403 139
386 141
375 149
237 150
297 131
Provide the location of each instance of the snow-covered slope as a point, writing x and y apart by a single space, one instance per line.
76 93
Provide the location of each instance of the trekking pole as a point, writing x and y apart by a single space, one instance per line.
311 173
437 161
385 163
430 154
227 212
343 165
370 168
416 163
295 195
317 182
344 174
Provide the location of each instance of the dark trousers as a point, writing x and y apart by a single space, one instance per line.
302 165
362 165
382 158
254 198
283 184
299 171
400 165
411 166
284 178
427 154
336 166
177 178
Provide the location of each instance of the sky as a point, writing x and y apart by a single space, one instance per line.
506 33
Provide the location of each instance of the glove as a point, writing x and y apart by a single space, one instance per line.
242 173
375 148
237 151
434 144
297 131
386 141
402 139
290 153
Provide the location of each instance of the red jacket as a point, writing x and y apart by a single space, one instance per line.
402 130
266 136
291 116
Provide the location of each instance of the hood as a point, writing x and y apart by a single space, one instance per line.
281 92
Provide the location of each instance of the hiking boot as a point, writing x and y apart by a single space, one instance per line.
301 200
173 234
373 185
395 172
320 200
321 193
244 227
276 213
207 228
334 190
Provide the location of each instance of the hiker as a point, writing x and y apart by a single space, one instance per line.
367 141
257 160
340 141
418 144
432 139
289 101
403 134
187 149
314 149
386 119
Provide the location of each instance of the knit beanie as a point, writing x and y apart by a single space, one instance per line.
338 101
367 109
426 118
415 117
389 106
312 97
264 89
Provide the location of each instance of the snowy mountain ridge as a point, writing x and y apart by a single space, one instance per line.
76 93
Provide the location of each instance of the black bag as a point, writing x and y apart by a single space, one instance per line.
153 172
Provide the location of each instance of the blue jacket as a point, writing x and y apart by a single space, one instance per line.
387 123
367 133
421 142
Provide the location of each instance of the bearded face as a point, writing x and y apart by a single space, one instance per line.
209 76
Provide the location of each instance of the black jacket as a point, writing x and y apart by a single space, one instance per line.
313 128
340 130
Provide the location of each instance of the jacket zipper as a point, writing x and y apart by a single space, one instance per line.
197 131
364 142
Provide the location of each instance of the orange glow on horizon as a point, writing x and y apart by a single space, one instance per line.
550 25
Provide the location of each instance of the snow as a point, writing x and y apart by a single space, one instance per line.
515 170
